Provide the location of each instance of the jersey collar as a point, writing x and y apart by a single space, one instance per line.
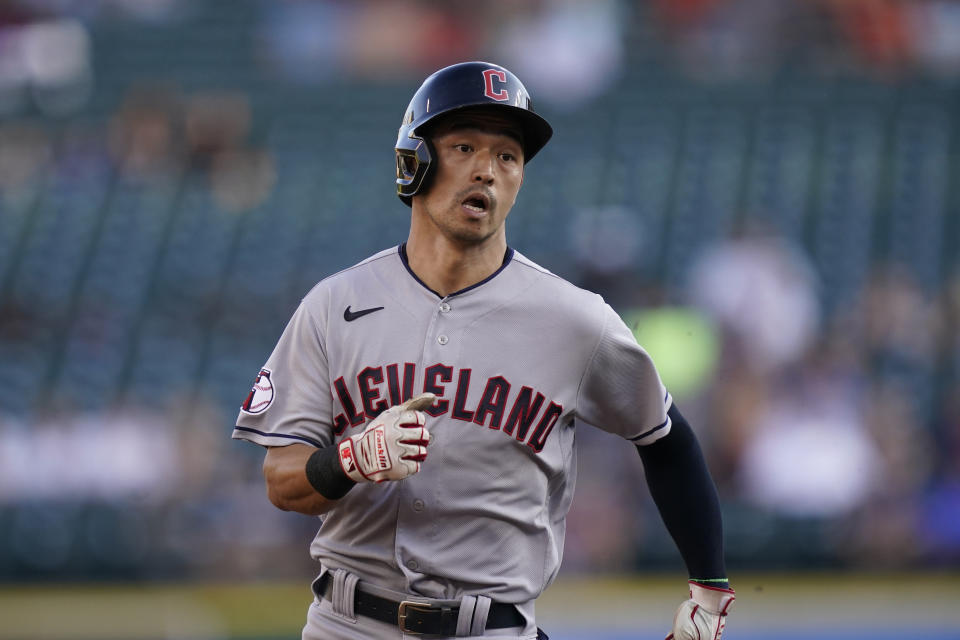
402 250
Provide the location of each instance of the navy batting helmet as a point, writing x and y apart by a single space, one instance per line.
468 84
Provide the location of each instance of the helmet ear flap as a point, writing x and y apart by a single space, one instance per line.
407 165
413 168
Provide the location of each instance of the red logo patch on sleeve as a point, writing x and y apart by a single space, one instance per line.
261 394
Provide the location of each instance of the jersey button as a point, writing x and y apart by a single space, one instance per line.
418 505
444 307
443 339
412 565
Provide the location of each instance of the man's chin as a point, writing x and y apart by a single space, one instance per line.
471 237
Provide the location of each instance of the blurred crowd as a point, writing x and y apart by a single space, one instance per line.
842 424
46 47
832 427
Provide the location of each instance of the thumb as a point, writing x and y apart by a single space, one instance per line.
418 403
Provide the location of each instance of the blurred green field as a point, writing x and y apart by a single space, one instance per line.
641 605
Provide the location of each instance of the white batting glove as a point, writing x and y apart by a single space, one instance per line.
392 446
704 615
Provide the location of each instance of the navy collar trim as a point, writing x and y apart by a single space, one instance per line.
402 250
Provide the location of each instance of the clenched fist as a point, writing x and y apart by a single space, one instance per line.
704 615
392 446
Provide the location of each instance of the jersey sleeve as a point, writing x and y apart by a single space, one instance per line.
621 391
290 401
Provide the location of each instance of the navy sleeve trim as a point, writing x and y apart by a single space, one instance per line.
651 431
668 423
264 434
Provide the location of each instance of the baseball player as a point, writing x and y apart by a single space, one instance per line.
424 402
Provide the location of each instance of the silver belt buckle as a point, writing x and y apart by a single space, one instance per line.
402 614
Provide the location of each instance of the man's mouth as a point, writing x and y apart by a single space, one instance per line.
476 202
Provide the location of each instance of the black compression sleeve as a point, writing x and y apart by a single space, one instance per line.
687 499
326 475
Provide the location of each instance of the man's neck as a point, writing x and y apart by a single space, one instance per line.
447 268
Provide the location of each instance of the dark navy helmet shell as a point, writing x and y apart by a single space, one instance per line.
459 86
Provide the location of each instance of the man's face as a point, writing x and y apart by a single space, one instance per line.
479 169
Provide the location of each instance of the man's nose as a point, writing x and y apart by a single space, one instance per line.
483 167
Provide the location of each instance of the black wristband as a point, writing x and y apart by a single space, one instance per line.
326 475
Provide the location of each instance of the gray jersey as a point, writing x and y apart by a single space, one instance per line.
516 361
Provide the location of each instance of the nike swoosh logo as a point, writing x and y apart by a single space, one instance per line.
350 316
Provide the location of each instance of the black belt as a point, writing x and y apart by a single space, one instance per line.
419 617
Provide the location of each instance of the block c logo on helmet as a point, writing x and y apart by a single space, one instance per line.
488 76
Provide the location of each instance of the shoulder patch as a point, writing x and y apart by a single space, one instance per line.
261 394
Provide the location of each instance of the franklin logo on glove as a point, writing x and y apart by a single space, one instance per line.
398 434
